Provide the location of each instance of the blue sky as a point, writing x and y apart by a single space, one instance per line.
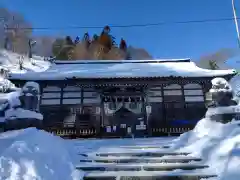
168 41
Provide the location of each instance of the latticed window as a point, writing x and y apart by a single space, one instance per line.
174 111
195 102
156 117
195 111
173 103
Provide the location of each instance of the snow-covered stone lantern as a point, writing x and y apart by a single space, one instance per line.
220 103
30 96
26 114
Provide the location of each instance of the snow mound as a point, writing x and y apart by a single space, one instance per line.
218 144
11 98
32 154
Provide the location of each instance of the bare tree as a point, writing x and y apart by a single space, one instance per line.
20 62
44 45
15 31
218 59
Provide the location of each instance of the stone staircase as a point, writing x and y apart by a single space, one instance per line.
140 162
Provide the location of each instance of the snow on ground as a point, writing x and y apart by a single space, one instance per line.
32 154
218 144
11 60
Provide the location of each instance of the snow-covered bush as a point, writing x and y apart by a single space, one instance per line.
32 154
6 85
4 72
20 62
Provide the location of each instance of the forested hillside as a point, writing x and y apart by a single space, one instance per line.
16 35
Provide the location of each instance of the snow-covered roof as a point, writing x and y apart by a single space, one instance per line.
120 69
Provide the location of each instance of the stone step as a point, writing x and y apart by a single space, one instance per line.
143 153
147 175
139 166
129 159
146 147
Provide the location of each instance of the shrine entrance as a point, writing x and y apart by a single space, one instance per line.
124 115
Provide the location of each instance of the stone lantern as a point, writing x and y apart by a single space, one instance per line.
220 100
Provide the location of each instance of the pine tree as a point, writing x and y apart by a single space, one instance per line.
68 41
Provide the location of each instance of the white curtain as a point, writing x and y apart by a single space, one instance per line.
110 111
136 110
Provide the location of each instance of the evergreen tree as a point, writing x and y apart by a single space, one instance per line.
68 41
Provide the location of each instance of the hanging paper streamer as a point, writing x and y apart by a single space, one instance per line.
108 129
129 130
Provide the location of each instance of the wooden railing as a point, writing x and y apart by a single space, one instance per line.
161 131
73 132
87 133
171 130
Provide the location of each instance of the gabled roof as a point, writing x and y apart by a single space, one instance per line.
121 69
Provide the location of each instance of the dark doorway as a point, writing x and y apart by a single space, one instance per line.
129 123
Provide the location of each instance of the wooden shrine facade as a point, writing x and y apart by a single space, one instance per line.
122 107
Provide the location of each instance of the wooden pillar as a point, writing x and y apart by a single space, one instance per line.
144 104
163 106
99 115
40 102
82 99
102 115
183 100
40 99
61 96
